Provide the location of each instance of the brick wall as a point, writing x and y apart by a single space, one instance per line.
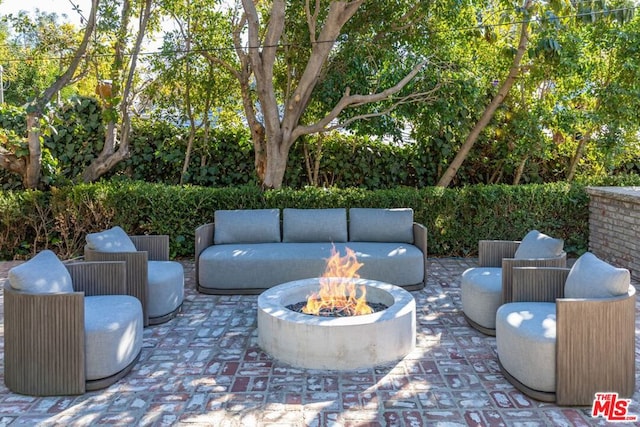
614 226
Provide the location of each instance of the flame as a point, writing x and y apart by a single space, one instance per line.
338 293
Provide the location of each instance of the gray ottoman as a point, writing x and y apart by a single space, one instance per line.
113 334
526 341
166 290
481 294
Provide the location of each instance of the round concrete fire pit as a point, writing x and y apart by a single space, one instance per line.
341 343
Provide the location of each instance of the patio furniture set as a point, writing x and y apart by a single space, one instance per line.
562 334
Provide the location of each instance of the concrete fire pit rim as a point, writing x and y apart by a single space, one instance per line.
270 302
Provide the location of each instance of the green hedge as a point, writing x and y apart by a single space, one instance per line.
455 218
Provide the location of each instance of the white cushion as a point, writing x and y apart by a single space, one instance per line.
381 225
538 245
481 294
166 287
44 273
247 226
590 277
112 240
113 334
526 342
314 225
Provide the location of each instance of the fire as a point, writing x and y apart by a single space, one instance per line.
338 292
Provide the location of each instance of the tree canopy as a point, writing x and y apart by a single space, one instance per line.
516 89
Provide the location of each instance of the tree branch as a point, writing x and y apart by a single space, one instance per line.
349 100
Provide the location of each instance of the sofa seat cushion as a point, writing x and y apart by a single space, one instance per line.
263 265
166 287
113 334
526 341
481 294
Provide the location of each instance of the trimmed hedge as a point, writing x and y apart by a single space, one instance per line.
456 218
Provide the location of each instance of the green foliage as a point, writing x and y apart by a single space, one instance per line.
455 218
77 135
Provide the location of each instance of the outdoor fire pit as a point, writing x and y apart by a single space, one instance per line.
341 343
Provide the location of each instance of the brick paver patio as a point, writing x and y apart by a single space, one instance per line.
204 368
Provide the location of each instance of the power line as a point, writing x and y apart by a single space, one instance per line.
297 45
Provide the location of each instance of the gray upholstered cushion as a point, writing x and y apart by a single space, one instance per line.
590 277
481 294
113 333
538 245
314 225
381 225
263 265
526 341
112 240
247 226
44 273
166 287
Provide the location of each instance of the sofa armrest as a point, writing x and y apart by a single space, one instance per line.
44 343
99 278
420 237
595 348
491 252
538 284
508 264
203 239
157 246
136 272
420 240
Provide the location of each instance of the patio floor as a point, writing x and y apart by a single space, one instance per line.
204 368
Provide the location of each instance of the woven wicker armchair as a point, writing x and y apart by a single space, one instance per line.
488 286
157 282
63 342
563 349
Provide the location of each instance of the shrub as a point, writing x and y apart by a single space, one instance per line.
455 218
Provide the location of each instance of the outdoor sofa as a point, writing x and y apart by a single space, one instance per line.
247 251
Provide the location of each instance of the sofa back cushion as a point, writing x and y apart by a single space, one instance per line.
538 245
590 277
42 274
381 225
314 225
114 239
247 226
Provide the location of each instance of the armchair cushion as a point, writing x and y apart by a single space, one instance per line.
381 225
113 334
314 225
114 239
44 273
247 226
526 342
538 245
590 277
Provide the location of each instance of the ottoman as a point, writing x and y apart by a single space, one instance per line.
481 293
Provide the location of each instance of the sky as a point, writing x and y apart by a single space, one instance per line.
58 6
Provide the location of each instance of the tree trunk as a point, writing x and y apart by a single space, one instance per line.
520 170
116 147
32 167
490 110
34 161
575 160
276 166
